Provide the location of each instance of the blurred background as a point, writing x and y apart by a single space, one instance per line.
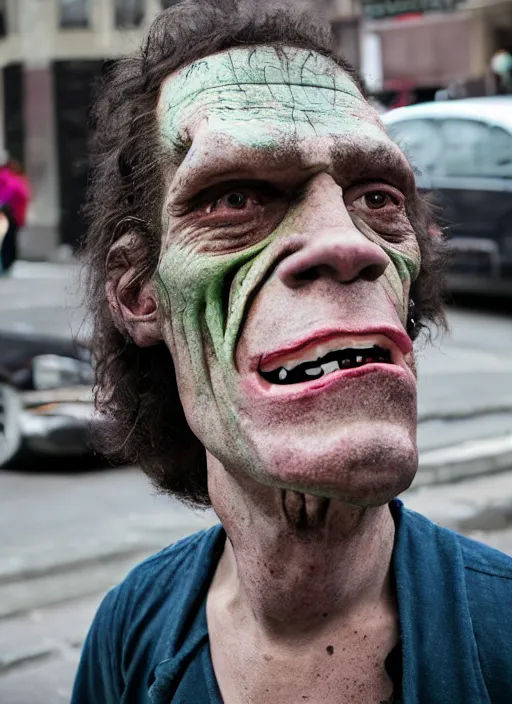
440 74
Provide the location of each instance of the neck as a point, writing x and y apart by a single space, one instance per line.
298 563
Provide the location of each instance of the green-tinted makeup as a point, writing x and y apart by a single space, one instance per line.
261 96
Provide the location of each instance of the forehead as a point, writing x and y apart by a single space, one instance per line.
260 95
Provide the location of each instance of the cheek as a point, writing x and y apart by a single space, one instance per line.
397 290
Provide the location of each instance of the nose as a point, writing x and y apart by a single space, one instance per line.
330 243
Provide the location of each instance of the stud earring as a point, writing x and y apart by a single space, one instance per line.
411 321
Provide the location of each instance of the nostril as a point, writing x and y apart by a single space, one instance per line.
372 272
310 274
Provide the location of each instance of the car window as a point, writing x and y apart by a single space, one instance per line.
474 148
466 144
421 142
500 152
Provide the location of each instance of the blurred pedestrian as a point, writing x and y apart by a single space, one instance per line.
14 199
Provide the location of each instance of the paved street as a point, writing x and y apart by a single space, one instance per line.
73 534
465 379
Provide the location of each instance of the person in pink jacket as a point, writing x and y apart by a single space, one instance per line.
14 199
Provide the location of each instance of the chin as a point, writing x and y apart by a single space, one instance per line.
364 464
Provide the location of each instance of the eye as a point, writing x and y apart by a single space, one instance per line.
235 200
377 199
242 199
246 198
365 197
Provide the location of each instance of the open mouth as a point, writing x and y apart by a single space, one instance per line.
317 362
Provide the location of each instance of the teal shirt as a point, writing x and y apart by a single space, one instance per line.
149 641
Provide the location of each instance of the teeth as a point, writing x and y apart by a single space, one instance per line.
314 371
282 374
330 367
359 359
316 352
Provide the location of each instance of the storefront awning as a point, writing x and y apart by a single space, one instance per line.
382 9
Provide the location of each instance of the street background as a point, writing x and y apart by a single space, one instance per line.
73 528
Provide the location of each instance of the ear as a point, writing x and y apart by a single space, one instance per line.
133 303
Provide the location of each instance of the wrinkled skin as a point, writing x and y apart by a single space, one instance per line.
269 242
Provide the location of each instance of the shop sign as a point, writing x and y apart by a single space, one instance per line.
381 9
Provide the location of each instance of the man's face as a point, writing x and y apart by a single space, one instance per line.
284 276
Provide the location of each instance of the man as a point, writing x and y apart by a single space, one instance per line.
256 245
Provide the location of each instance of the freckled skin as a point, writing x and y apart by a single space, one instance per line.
301 484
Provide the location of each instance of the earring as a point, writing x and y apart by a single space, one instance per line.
411 322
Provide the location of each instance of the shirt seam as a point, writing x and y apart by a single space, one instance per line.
488 572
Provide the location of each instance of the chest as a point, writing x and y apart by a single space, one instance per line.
339 671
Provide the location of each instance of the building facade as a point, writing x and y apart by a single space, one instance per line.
424 52
50 53
52 50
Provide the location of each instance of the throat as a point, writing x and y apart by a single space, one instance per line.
305 514
293 562
315 567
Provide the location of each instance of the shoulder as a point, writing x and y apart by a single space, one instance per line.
141 622
167 573
160 590
151 608
477 557
475 581
485 560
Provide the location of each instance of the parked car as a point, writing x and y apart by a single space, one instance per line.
462 150
46 405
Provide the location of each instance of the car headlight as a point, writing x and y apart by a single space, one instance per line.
50 371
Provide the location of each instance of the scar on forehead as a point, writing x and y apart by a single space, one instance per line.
257 66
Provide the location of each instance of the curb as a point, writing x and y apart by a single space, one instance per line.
57 577
473 458
466 413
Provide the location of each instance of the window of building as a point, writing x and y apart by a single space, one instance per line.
75 14
3 18
129 13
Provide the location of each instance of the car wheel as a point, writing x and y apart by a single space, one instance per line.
10 431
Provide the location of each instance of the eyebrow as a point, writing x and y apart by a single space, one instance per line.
381 161
349 161
240 162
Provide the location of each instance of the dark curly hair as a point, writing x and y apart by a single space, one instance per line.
136 387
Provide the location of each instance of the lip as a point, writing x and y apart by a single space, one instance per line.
394 334
256 385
